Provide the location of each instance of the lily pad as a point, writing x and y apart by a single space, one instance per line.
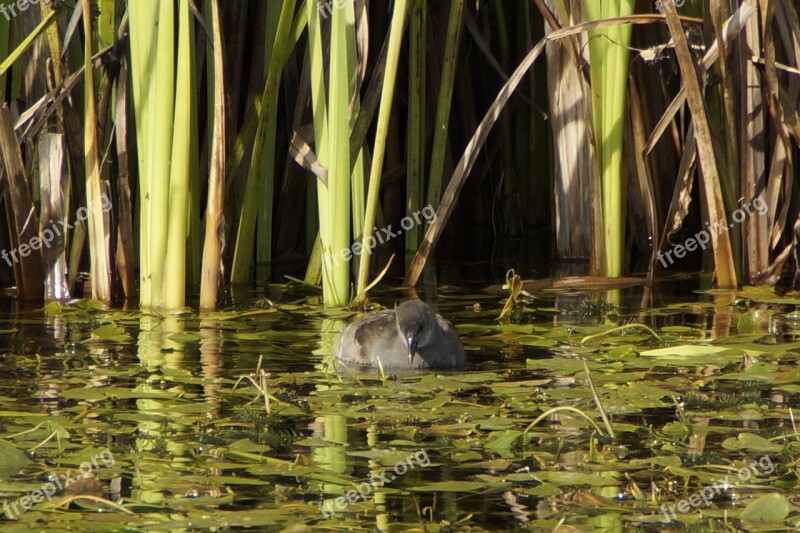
751 442
768 509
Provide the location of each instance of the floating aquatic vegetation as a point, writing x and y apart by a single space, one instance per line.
182 404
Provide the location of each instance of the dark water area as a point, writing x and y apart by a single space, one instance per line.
182 429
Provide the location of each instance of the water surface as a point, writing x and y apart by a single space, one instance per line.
173 419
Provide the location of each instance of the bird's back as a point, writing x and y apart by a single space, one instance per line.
448 352
371 336
376 335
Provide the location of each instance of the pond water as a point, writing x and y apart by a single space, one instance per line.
173 420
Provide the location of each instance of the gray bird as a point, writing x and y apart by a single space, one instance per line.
410 336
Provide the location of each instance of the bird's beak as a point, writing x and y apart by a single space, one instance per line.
411 341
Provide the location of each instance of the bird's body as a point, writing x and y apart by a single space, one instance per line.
411 336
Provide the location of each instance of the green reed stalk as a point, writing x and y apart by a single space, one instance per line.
261 175
152 73
339 164
332 129
167 146
450 61
174 292
382 127
319 111
609 73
